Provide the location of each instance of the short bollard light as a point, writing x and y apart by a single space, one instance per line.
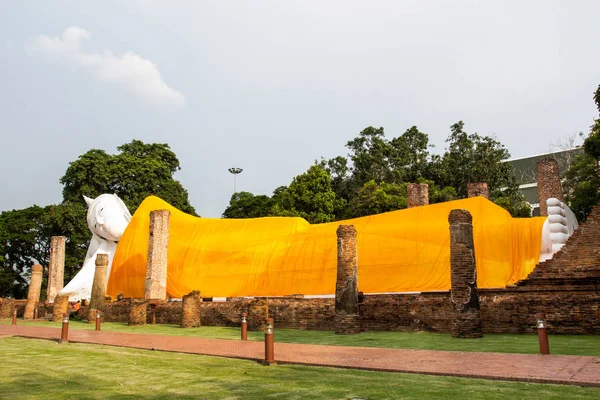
64 333
244 326
269 343
153 307
542 329
14 317
98 320
35 313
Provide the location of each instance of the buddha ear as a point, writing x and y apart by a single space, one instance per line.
88 201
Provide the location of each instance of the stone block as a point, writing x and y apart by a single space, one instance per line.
464 297
417 194
156 267
56 267
191 304
33 295
138 312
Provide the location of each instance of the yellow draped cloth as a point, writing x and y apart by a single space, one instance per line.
400 251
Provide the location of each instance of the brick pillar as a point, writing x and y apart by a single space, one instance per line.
466 318
190 316
548 181
417 194
346 286
156 267
61 306
56 269
475 189
137 312
6 310
35 287
98 287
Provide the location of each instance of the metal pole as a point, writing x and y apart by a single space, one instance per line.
35 312
64 333
542 329
14 317
244 326
98 318
269 343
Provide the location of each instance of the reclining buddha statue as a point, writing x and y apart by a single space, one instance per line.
399 251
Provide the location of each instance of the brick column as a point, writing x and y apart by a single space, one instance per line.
35 287
346 286
98 287
466 318
137 312
548 181
56 269
190 316
417 194
61 306
475 189
6 310
156 267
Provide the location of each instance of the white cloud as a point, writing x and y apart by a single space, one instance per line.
130 70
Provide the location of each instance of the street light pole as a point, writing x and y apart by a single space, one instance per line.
235 172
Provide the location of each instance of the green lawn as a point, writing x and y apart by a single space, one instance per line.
527 344
42 369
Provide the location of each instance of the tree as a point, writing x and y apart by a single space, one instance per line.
25 236
247 205
309 196
138 171
475 158
409 159
583 179
591 144
369 153
375 198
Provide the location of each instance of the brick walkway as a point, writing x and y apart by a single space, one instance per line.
573 370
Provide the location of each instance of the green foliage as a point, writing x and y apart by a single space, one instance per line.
139 170
309 196
475 158
247 205
136 172
584 180
25 240
84 371
591 144
375 199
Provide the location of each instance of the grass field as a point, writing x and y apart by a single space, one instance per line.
503 343
41 369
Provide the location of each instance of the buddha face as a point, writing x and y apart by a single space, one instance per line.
107 216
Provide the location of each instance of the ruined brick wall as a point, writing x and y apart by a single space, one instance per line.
513 311
406 312
548 182
417 194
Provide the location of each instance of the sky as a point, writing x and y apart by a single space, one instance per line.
270 86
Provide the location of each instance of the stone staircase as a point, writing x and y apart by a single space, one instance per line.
576 267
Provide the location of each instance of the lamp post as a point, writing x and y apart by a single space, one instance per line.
235 172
